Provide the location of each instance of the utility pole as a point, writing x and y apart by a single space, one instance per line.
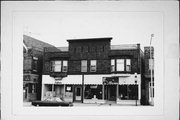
152 101
82 88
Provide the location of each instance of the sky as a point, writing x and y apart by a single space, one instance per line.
124 27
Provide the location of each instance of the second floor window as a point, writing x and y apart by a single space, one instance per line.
35 64
128 65
65 66
59 66
56 66
112 65
84 66
120 64
93 66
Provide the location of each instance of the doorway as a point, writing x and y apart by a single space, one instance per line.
110 92
78 94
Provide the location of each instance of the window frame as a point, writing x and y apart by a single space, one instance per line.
35 64
128 65
125 65
93 65
84 66
113 65
122 65
61 66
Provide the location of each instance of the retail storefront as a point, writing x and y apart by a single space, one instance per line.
30 82
119 88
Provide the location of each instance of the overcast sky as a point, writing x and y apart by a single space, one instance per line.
125 27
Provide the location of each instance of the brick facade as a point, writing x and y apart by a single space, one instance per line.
32 67
91 49
101 50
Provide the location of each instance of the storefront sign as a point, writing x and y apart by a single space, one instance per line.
68 88
111 80
58 82
58 78
93 86
27 78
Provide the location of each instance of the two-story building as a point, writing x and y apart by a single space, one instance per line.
94 71
149 73
32 67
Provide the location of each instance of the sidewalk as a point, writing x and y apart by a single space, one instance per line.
106 104
78 104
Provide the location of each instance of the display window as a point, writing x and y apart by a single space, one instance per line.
128 92
93 91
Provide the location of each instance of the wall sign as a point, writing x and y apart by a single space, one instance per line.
58 82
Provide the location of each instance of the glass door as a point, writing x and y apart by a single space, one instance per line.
78 93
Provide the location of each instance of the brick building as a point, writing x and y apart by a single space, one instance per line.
32 67
94 71
149 60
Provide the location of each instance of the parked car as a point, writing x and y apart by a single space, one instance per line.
52 102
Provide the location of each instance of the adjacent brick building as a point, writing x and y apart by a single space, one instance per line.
94 71
149 63
32 67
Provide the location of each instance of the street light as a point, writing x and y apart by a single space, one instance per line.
152 35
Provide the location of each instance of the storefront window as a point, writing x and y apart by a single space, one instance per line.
68 88
128 92
93 91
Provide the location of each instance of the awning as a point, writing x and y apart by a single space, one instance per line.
131 80
88 79
74 79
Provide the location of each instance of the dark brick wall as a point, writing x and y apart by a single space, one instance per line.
28 63
89 50
128 54
92 50
49 55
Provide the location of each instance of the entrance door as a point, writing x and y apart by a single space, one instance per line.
110 92
78 93
25 93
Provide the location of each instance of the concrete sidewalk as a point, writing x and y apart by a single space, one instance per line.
78 104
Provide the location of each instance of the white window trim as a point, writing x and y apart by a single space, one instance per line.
93 64
63 67
84 66
113 65
122 67
54 65
128 64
